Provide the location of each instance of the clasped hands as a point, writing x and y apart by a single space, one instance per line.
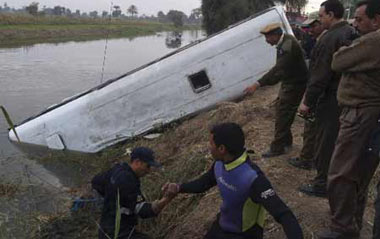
170 190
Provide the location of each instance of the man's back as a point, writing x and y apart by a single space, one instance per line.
118 181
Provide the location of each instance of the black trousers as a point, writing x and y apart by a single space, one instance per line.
215 232
124 235
327 128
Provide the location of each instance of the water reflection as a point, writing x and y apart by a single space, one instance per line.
35 77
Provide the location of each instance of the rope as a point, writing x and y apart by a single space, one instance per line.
106 46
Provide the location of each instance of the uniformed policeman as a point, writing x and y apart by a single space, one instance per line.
356 154
321 92
292 71
305 159
122 181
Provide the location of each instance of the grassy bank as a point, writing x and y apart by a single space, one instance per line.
183 150
24 29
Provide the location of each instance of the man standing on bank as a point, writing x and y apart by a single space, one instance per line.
356 154
321 91
291 71
123 181
305 159
245 190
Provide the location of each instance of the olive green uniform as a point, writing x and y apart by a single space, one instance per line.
356 154
292 71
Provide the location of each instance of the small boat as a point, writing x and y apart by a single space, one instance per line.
173 39
182 83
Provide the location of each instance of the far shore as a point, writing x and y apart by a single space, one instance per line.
26 33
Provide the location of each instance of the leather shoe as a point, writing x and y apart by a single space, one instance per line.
270 153
301 163
313 190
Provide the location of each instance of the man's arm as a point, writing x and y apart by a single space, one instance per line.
132 203
200 185
277 72
263 194
360 56
320 75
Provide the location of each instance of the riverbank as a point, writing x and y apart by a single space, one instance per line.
183 151
27 30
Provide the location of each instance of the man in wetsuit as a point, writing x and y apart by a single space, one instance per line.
247 194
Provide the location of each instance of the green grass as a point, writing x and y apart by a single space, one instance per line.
23 29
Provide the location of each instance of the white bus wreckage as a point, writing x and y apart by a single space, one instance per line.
191 79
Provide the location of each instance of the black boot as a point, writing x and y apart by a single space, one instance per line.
301 163
313 190
270 153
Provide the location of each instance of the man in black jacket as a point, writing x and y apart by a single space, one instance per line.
121 185
322 89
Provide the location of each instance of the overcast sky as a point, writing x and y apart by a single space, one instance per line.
313 5
147 7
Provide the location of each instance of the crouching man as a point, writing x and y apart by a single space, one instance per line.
245 190
123 182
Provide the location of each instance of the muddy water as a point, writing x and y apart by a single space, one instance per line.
35 77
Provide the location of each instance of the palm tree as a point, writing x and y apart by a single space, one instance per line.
132 10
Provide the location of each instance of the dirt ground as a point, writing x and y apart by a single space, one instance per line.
183 150
256 115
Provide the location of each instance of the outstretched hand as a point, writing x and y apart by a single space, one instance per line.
251 89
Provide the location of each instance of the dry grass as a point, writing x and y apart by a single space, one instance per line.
8 190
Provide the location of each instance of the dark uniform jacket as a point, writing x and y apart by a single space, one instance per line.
360 65
246 194
323 80
120 180
290 65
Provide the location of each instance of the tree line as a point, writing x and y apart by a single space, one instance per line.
215 15
178 18
219 14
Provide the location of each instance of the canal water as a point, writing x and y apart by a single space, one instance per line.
34 77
